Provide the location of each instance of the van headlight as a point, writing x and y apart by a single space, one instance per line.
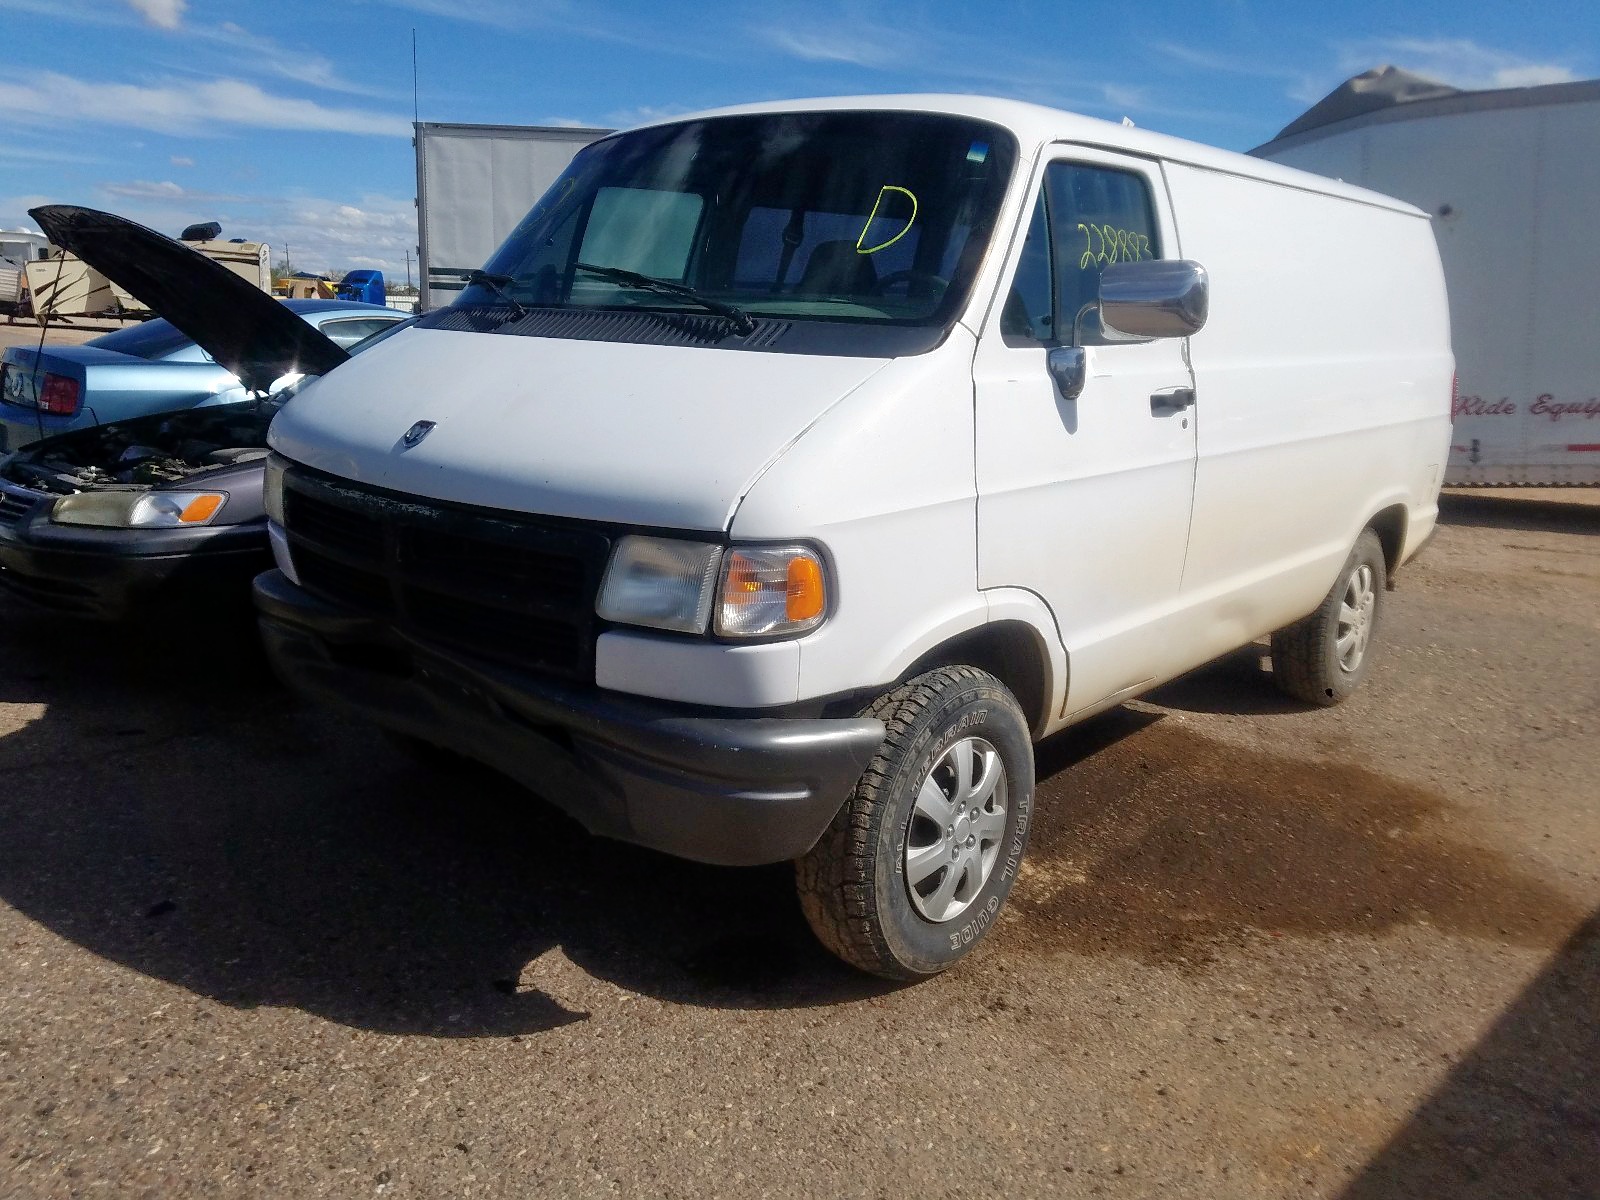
138 510
771 592
662 583
737 592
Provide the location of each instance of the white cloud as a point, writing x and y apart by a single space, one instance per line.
242 51
321 233
859 47
165 14
503 14
327 234
14 210
144 189
70 10
1457 61
253 51
182 160
644 114
10 152
180 106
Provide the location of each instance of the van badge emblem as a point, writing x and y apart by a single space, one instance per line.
416 433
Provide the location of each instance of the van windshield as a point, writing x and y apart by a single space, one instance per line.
871 220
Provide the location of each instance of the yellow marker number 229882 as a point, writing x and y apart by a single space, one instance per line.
1106 244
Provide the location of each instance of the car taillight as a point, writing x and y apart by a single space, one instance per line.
59 395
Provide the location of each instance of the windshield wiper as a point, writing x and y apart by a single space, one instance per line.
500 285
742 321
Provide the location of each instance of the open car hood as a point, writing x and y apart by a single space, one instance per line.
240 326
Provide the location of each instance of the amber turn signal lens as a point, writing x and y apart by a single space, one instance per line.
201 508
770 591
807 596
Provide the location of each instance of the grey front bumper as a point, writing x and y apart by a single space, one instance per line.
732 790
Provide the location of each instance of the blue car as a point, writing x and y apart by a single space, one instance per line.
133 516
140 370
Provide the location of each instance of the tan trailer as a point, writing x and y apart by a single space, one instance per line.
64 286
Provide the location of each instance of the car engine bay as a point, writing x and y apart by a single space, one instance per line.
149 452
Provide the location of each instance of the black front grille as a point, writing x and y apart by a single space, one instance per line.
367 590
339 529
512 589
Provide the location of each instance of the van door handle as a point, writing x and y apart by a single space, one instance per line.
1171 401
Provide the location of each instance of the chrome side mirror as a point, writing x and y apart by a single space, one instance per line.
1156 298
1069 367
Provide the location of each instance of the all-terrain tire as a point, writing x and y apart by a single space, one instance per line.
856 885
1310 660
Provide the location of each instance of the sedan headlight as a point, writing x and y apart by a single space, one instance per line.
741 592
138 510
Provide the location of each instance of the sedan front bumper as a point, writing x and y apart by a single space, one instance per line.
112 574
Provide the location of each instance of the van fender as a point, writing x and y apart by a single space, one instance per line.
1028 608
982 610
1393 517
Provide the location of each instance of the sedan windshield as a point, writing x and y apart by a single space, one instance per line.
869 219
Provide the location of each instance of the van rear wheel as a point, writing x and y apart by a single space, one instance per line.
914 868
1323 658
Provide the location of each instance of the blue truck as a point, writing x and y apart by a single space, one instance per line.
363 286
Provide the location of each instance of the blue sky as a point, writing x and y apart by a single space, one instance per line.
290 120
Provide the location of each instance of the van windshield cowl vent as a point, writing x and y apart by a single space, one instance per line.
772 335
644 328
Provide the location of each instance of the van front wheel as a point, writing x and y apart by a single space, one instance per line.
1323 658
914 868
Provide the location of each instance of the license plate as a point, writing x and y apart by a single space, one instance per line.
18 387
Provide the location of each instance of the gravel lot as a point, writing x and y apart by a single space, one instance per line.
25 332
1259 951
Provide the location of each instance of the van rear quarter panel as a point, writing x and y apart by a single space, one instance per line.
1322 390
1513 192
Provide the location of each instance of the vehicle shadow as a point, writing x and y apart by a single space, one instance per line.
167 805
1519 1115
173 812
1544 512
1239 683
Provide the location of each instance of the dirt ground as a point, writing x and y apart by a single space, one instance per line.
245 948
25 332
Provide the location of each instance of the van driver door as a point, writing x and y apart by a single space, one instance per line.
1087 501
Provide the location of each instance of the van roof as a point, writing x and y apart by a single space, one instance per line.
1035 125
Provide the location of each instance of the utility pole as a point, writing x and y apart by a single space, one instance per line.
408 268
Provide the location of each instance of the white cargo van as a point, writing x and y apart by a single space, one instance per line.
792 469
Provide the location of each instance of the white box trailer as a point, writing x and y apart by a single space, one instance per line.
474 183
1510 178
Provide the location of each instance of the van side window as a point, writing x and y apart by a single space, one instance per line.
1099 216
1028 315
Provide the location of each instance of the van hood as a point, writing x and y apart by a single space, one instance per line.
667 436
240 326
